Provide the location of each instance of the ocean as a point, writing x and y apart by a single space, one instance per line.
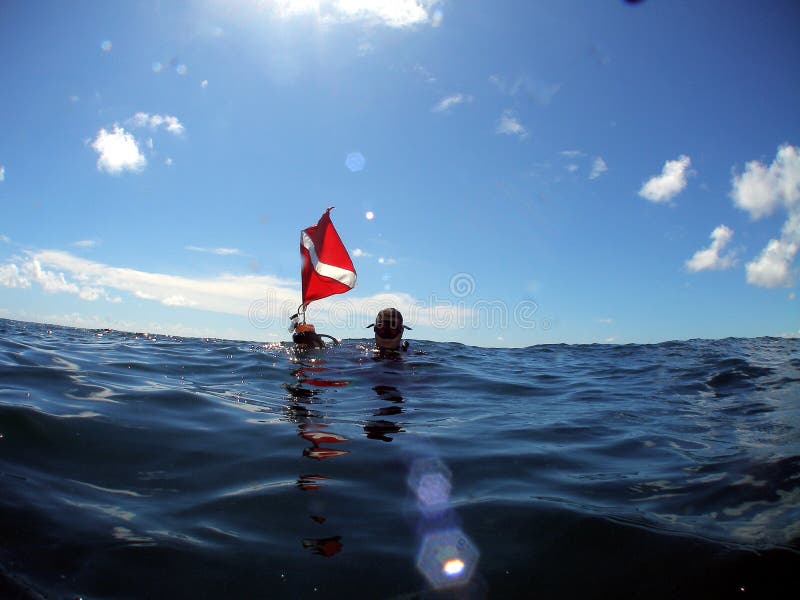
149 466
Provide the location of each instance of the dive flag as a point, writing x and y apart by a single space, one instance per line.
327 268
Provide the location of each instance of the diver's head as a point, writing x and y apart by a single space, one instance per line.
389 329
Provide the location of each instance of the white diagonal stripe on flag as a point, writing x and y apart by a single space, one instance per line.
344 276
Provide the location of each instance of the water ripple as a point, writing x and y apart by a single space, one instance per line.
249 469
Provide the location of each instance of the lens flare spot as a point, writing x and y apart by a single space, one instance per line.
430 480
434 489
369 215
355 161
453 567
447 558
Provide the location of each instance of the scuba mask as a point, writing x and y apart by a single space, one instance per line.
389 329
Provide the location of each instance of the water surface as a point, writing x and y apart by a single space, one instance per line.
136 465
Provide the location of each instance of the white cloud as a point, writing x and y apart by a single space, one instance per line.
31 271
446 103
219 251
571 153
117 152
510 125
168 122
5 239
572 167
178 300
387 261
204 83
598 167
761 190
358 253
541 92
11 277
424 74
393 13
672 181
605 320
772 268
292 8
265 300
90 293
85 243
2 173
58 271
711 258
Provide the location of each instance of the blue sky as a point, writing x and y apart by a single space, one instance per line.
536 172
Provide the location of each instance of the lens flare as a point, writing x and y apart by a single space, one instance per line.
355 161
369 215
453 567
430 480
447 558
434 489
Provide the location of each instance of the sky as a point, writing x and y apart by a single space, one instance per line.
505 173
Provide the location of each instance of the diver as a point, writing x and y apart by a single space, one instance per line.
388 327
305 336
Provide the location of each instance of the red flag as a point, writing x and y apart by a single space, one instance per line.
327 268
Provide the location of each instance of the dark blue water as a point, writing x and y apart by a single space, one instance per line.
137 466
